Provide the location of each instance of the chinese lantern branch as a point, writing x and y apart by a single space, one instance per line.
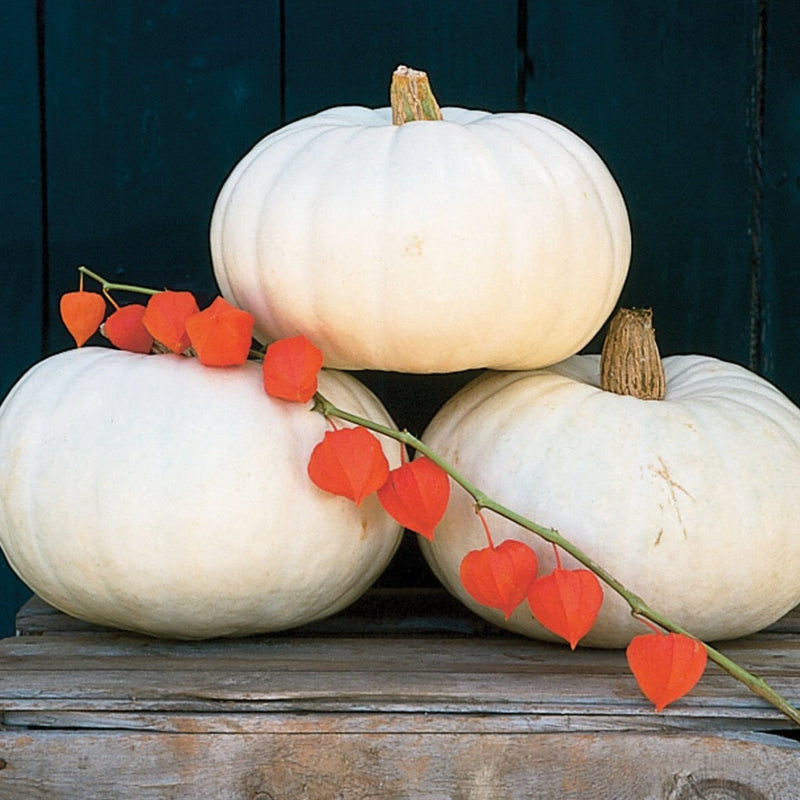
638 607
110 286
755 684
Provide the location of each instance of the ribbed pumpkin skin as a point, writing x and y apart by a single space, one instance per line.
496 240
692 502
153 494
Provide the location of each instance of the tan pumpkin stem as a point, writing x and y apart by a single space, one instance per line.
411 96
630 363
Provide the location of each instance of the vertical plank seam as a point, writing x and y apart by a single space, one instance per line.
757 109
43 177
524 67
282 60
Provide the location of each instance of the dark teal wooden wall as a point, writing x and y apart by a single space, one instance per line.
121 119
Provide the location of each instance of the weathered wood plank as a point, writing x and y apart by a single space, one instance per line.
383 721
102 765
380 611
86 700
116 650
244 691
102 675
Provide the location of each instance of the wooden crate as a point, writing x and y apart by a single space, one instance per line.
405 695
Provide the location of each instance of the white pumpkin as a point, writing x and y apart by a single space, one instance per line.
153 494
692 501
479 240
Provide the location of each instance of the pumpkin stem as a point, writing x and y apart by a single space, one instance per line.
630 363
411 96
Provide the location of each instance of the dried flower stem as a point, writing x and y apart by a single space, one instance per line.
638 606
109 286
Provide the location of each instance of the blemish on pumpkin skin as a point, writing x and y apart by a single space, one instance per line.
364 528
657 542
673 488
414 247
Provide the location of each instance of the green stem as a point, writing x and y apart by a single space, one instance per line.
637 605
109 286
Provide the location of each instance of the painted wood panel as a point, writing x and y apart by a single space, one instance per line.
20 191
21 239
149 105
664 91
344 53
779 207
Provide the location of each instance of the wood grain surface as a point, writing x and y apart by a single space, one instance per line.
351 707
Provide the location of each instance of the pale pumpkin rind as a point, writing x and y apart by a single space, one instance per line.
481 240
153 494
693 502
